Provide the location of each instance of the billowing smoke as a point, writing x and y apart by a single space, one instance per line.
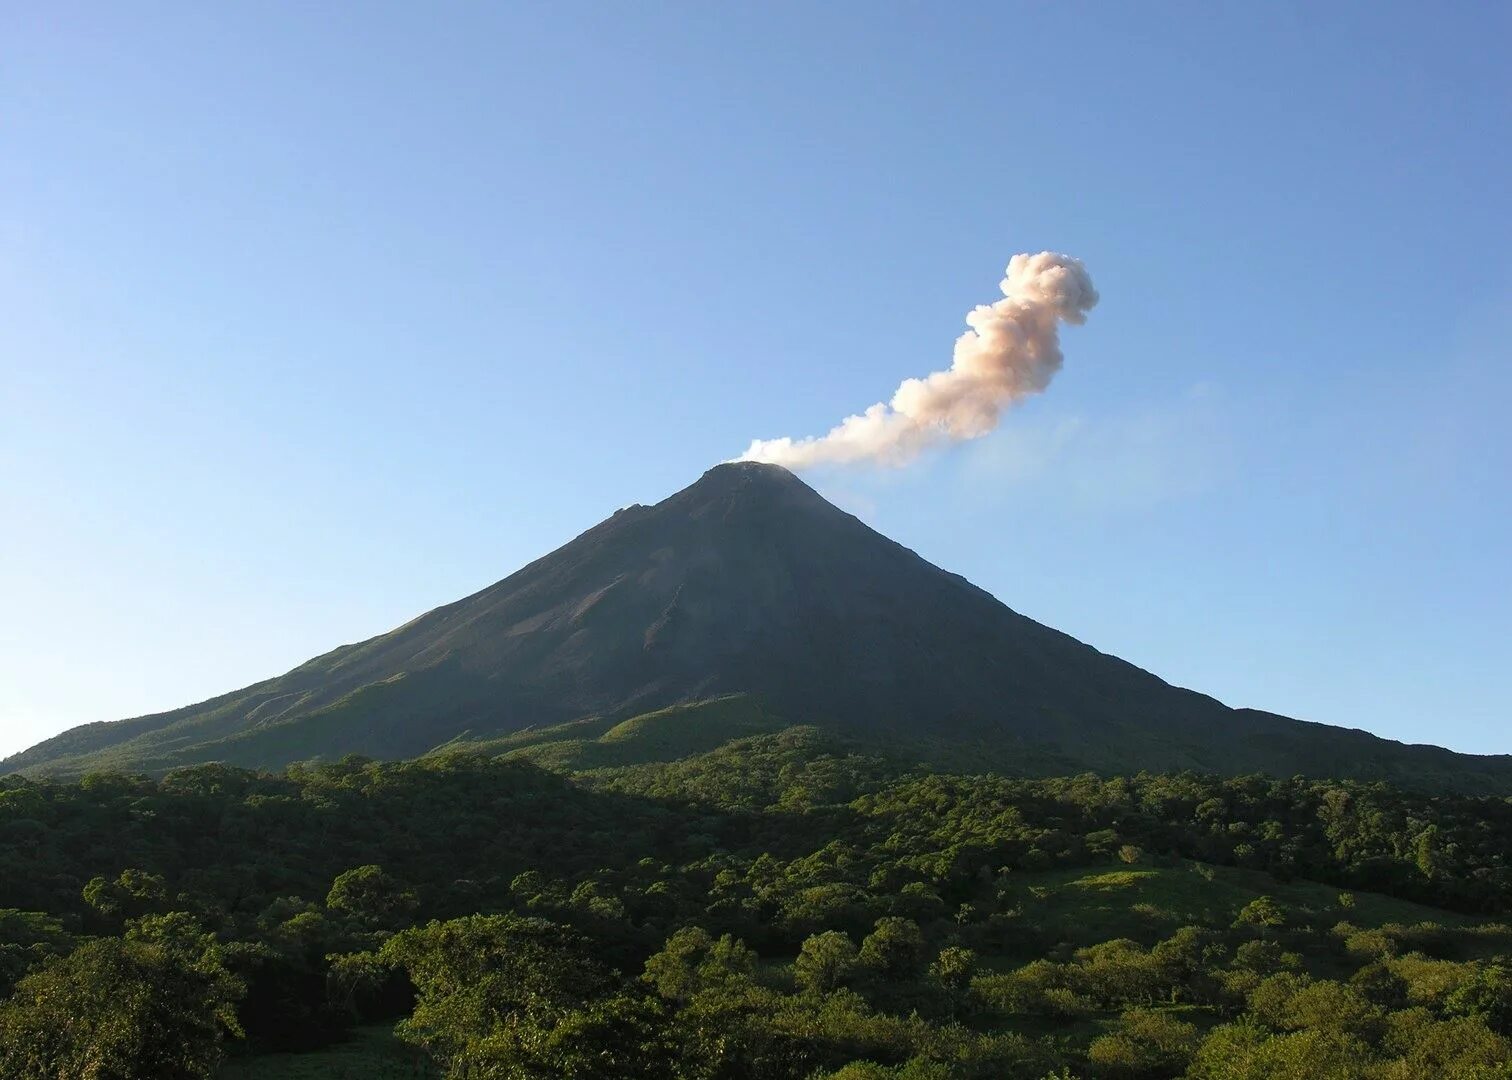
1011 350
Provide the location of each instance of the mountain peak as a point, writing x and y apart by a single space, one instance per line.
745 582
748 487
734 474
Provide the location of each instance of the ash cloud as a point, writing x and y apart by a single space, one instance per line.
1011 350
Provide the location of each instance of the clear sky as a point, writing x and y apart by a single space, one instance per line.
315 316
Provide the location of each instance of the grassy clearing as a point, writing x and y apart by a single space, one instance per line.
1146 903
665 735
372 1053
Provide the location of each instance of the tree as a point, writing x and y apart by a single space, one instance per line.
134 892
1332 1006
626 1035
370 894
1146 1043
477 976
692 959
1428 854
26 939
954 967
1263 913
353 978
825 962
1188 952
1246 1051
894 949
918 901
1487 997
146 1009
1377 983
1460 1047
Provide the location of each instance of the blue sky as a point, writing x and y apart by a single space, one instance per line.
313 317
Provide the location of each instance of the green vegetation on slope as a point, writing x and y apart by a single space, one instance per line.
664 735
789 906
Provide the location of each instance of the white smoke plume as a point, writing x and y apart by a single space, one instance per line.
1011 350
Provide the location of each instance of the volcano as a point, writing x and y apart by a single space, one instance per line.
746 583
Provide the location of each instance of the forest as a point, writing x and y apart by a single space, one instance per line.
789 906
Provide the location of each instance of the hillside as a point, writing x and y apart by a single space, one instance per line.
745 583
784 907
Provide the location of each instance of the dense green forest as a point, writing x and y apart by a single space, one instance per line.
789 905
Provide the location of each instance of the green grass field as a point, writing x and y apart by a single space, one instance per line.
1147 902
665 735
372 1053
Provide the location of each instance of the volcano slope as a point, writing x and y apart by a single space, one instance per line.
745 583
